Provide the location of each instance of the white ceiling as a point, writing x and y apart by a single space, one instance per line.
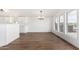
34 12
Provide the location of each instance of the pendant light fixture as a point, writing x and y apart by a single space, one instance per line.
41 17
3 12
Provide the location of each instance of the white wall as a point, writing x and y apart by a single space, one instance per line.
36 25
23 21
29 24
3 20
33 24
6 19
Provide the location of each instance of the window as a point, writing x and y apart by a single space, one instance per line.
72 21
67 24
61 23
56 23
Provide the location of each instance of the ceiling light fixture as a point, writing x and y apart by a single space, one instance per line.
3 10
41 17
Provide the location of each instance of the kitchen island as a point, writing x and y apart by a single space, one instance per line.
8 33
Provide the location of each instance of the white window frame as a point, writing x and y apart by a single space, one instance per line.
63 23
57 19
67 20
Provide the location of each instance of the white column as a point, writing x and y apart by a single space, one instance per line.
58 24
65 22
53 23
77 23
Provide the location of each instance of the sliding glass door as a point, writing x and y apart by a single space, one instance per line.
72 24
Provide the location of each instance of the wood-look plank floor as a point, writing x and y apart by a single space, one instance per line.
38 41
